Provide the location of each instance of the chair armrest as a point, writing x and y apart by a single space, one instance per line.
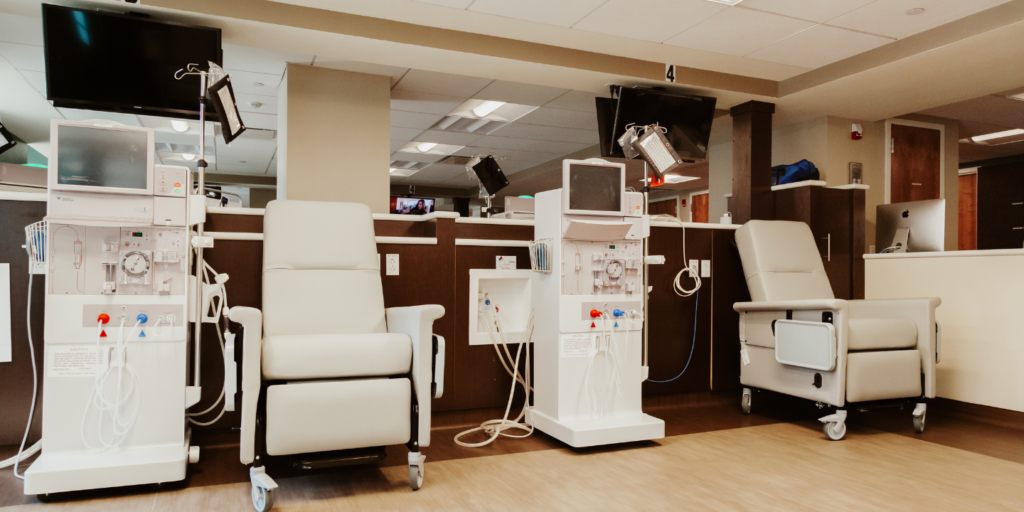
785 305
417 322
252 375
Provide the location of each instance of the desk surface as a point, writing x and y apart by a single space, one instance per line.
945 254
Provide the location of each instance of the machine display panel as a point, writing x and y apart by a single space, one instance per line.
93 157
595 188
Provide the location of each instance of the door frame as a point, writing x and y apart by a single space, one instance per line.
887 142
697 193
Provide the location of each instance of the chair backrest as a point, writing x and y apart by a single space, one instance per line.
320 269
781 261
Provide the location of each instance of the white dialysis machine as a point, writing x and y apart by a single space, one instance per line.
589 309
117 275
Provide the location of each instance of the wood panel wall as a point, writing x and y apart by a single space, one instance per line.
967 222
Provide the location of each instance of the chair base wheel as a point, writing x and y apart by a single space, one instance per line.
415 477
745 404
262 499
919 424
834 431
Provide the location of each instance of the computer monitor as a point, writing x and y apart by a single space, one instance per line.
101 157
593 187
917 226
411 205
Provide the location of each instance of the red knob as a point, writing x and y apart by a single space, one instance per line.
594 313
103 318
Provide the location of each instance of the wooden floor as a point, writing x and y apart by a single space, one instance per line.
713 459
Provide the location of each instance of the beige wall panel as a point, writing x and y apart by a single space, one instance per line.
334 128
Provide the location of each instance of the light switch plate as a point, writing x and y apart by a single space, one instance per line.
695 265
705 268
392 265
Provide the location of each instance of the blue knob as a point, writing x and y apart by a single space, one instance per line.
619 312
487 302
142 318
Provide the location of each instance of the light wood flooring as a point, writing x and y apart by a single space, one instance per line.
780 466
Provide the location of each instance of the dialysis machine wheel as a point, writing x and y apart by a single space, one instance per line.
834 431
745 401
415 477
262 499
46 498
919 424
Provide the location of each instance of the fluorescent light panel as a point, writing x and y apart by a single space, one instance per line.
179 126
997 135
726 2
487 107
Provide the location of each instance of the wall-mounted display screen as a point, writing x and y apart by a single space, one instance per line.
93 157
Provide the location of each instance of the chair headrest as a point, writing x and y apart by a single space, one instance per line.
315 235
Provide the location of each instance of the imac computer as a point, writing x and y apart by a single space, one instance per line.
917 226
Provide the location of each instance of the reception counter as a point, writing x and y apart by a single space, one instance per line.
981 315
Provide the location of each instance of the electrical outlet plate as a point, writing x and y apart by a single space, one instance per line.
392 265
705 268
695 265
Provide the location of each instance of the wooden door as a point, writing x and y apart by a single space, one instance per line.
915 156
1001 207
699 208
831 223
667 207
967 222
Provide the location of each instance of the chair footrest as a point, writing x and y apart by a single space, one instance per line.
338 458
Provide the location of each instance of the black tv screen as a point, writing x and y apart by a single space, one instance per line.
605 119
123 63
490 175
687 118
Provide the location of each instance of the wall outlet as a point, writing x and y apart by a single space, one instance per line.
695 266
705 268
392 265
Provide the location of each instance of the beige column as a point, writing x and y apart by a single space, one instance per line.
333 136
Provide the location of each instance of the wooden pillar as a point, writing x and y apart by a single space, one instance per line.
752 162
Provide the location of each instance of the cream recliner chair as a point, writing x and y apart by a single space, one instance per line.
325 366
796 338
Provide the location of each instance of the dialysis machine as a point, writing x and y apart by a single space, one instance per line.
117 278
589 309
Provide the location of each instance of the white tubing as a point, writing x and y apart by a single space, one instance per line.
22 454
98 399
495 428
223 307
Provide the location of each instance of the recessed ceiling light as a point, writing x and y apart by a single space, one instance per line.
726 2
487 107
1019 97
179 126
257 84
188 156
998 135
426 146
393 169
915 11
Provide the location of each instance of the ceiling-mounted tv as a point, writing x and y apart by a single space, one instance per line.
123 62
687 119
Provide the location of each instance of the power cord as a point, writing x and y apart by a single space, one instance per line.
22 453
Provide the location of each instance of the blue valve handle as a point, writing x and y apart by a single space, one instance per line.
618 313
142 318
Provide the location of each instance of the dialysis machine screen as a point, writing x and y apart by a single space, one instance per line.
595 188
101 158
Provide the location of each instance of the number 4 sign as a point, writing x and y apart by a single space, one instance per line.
670 73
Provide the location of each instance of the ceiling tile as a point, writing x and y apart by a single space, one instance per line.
739 32
414 119
819 46
458 4
995 110
426 103
258 60
244 82
814 10
530 145
889 18
546 116
522 94
398 133
21 29
442 137
261 121
648 20
397 144
535 132
24 57
394 72
416 157
576 100
441 83
532 157
36 78
565 13
247 103
478 150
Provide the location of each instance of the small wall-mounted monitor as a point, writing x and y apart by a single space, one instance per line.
411 205
917 226
101 157
593 187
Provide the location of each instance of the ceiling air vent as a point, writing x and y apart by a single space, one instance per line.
456 160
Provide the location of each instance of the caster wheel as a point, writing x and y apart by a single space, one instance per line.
834 431
262 499
919 424
415 477
46 498
745 401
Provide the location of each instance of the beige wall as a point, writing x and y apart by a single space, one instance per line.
801 141
719 167
259 197
333 136
870 152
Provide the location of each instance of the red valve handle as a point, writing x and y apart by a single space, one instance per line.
103 318
594 313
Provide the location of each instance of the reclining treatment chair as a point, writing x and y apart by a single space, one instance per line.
796 338
325 366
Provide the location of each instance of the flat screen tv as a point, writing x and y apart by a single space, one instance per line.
605 118
411 206
124 63
687 119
